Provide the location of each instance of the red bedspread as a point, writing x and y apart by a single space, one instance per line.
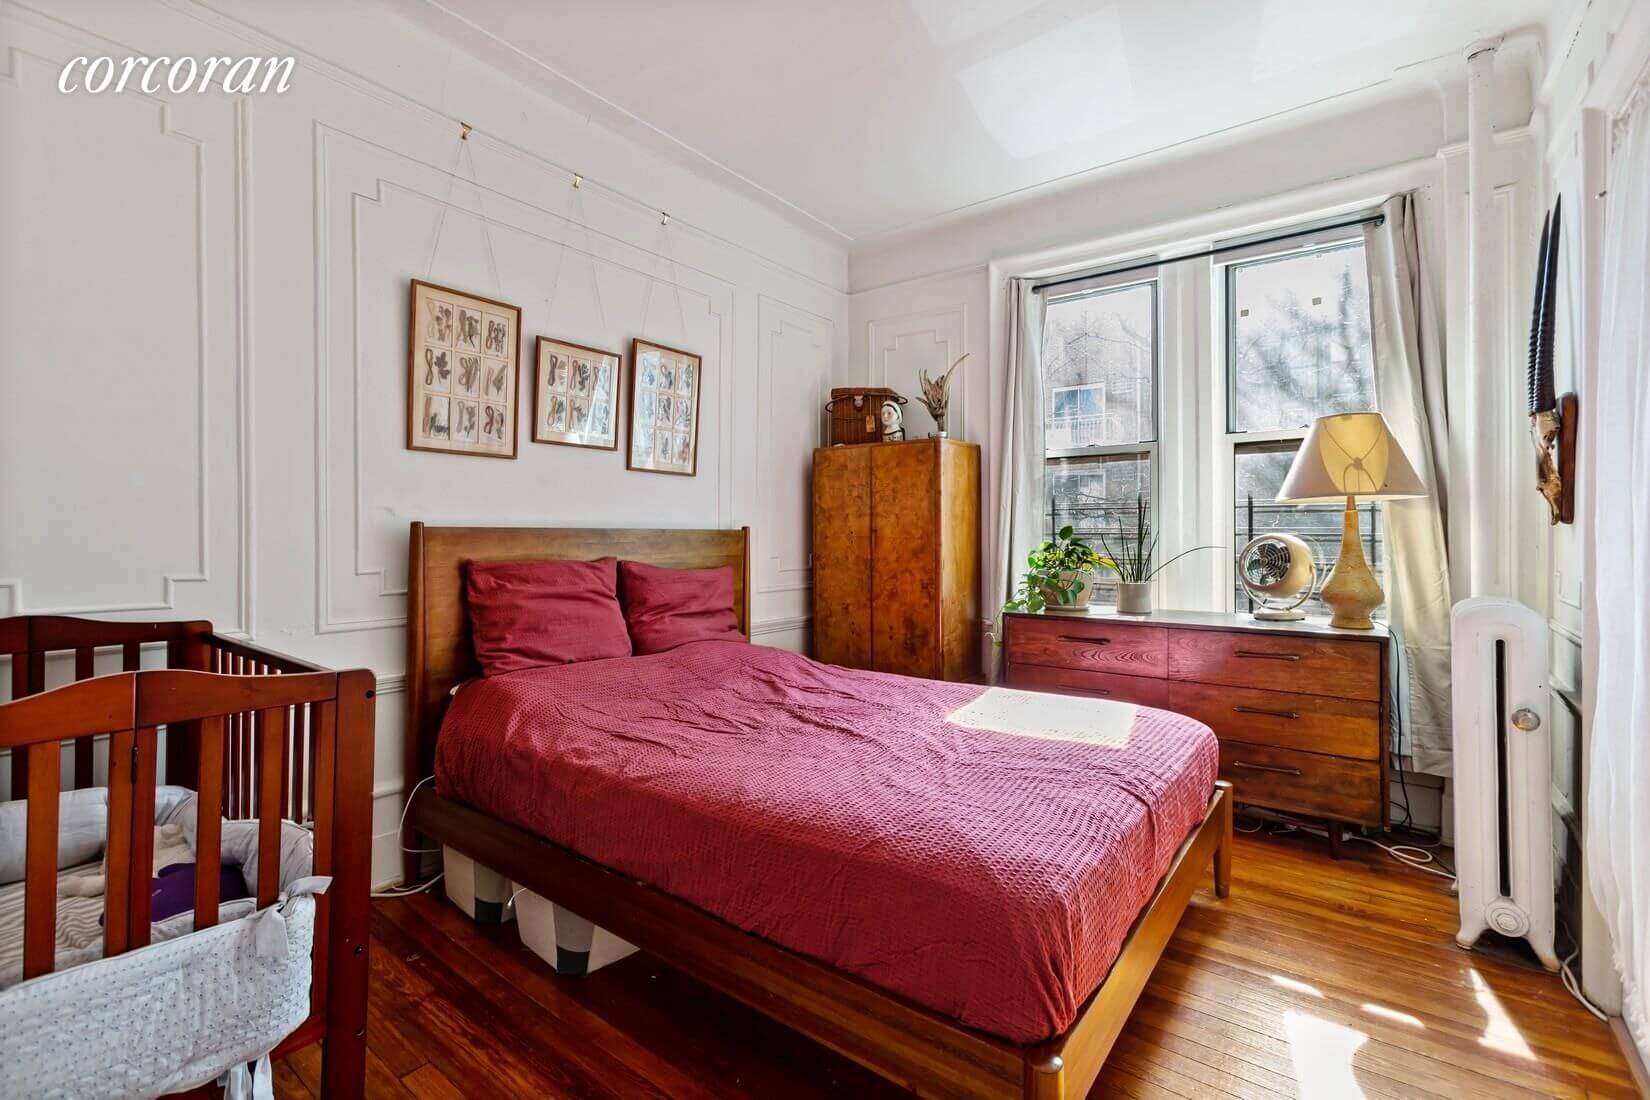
987 875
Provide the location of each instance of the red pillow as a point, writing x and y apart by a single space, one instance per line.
524 614
666 608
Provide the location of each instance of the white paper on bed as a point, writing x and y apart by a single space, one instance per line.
1049 717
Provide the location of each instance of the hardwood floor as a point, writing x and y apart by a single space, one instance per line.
1316 979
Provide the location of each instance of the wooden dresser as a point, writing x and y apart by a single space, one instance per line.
1299 708
897 557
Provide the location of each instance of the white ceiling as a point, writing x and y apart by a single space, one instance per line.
866 116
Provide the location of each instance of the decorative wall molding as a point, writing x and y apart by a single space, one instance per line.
773 387
370 187
171 118
769 627
947 328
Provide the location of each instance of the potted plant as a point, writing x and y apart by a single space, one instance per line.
1059 575
1132 561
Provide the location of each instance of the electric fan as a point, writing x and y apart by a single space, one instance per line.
1275 569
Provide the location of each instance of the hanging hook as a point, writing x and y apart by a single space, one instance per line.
664 218
578 180
464 131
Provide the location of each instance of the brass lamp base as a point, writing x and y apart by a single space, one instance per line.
1351 592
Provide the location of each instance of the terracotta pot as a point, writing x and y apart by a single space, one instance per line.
1134 598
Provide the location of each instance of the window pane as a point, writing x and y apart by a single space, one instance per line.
1099 362
1299 339
1098 494
1259 469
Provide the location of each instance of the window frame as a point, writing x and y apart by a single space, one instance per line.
1149 450
1229 441
1192 454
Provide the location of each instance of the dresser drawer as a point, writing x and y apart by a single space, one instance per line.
1088 644
1336 667
1285 720
1303 782
1142 690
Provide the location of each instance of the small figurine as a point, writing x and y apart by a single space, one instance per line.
893 421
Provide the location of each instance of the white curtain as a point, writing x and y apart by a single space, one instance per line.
1020 499
1618 799
1409 392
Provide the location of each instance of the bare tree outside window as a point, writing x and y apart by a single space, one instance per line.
1299 348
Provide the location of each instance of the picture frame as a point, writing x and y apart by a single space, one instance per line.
463 372
575 394
666 384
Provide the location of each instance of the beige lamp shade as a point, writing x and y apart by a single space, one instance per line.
1350 454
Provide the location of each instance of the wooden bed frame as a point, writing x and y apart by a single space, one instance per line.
913 1046
246 728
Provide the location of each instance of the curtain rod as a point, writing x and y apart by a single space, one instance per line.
1236 246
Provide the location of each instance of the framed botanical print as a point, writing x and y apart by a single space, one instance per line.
576 395
664 409
463 370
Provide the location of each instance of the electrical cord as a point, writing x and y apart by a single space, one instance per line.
1569 979
401 827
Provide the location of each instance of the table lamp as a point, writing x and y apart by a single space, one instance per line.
1344 457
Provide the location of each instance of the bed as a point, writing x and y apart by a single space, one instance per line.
980 920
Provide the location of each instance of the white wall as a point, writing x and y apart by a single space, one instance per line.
1590 70
203 329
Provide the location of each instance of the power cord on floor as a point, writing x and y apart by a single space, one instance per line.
400 831
1412 855
1567 976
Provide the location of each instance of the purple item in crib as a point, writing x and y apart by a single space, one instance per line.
173 890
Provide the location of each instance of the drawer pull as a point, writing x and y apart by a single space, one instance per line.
1240 709
1264 768
1079 638
1256 654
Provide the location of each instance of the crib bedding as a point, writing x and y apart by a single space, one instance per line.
79 928
980 851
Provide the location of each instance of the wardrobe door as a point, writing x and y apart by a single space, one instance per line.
842 556
905 552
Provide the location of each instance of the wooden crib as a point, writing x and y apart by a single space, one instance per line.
262 735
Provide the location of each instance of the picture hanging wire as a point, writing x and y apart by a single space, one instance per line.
575 216
463 157
662 251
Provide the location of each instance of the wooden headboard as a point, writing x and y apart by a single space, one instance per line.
438 624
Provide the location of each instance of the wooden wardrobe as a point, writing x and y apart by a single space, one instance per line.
897 557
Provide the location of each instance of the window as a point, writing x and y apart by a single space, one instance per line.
1100 411
1297 348
1190 385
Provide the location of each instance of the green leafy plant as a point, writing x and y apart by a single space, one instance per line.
1136 549
1056 573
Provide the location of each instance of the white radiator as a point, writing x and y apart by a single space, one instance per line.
1503 772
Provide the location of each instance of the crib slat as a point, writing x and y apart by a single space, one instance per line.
143 839
295 803
244 784
117 886
131 656
285 734
323 728
40 862
208 820
271 768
